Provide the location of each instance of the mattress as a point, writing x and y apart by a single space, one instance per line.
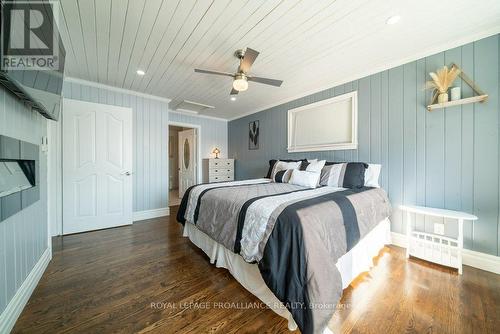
358 260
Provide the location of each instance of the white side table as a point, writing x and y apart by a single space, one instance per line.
433 247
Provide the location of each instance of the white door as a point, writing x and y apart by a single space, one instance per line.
187 160
97 166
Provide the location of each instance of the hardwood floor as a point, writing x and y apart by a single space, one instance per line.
106 281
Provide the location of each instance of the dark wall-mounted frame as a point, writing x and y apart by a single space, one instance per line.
253 135
14 149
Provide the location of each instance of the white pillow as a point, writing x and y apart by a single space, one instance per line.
304 178
372 173
315 165
282 165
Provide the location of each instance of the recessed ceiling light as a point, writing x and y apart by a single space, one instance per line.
393 19
233 98
140 72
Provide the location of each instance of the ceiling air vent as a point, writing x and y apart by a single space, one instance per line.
188 106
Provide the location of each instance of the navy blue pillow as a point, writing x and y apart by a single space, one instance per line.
354 176
283 176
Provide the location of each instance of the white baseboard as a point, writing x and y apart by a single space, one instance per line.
150 214
481 260
471 258
398 239
16 305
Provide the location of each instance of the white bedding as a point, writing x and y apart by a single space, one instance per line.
359 259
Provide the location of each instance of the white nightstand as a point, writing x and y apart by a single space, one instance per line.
218 170
433 247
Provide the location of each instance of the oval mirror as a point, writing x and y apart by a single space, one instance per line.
186 154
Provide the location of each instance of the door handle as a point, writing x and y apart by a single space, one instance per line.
126 173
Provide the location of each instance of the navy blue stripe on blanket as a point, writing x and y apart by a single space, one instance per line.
183 206
349 215
346 208
198 203
283 265
243 212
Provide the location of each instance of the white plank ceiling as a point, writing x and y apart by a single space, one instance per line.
310 44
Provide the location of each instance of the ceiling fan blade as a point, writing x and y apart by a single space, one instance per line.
248 59
214 72
266 81
233 92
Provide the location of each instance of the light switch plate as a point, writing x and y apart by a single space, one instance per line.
439 228
45 144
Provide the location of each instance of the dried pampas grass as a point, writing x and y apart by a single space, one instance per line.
443 79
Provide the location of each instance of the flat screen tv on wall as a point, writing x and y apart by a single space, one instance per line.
32 54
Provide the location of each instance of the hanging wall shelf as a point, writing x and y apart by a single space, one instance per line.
480 97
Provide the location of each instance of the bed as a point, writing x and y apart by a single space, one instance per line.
293 247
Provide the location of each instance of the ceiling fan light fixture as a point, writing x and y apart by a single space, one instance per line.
240 83
241 77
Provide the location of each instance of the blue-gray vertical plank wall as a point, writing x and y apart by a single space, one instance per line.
444 158
23 236
395 145
467 146
409 135
486 147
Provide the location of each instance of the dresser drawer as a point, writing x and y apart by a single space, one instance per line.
221 177
218 163
218 170
221 170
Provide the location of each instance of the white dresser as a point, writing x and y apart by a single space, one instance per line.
218 170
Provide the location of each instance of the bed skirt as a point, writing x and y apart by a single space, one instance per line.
358 260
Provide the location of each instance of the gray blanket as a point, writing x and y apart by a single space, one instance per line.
295 234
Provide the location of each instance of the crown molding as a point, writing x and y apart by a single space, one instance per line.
148 96
375 68
195 114
115 89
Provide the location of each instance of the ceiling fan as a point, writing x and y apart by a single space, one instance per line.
241 77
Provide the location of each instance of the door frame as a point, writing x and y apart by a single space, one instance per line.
54 177
198 145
